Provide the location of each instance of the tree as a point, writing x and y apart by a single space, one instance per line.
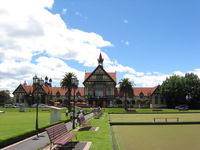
4 96
126 89
172 90
178 90
66 83
192 90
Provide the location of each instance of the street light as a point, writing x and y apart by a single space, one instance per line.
37 102
36 122
38 91
75 85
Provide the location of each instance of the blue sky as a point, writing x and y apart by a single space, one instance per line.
143 40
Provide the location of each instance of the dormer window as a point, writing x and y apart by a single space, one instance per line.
67 94
58 94
78 94
141 95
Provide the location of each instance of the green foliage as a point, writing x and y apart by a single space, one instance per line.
4 96
126 89
178 90
66 83
192 90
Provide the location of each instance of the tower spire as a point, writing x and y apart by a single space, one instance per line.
100 60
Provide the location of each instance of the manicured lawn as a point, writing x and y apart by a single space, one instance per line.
13 122
121 110
101 138
149 117
144 137
157 137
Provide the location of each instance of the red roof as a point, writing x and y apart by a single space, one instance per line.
138 90
53 90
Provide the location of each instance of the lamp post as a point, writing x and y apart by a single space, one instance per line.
36 117
75 85
36 122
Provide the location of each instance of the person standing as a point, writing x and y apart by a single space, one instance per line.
66 113
71 115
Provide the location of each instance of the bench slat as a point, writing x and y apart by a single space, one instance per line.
58 134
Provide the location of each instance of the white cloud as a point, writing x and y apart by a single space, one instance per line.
64 11
147 81
125 21
179 73
119 68
127 43
30 29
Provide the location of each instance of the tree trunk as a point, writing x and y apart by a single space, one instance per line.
125 102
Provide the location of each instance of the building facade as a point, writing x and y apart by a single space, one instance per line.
99 90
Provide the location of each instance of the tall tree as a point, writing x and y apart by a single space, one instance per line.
126 89
172 90
66 83
192 90
4 96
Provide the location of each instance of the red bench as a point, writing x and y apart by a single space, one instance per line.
59 135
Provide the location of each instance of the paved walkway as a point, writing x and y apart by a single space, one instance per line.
31 144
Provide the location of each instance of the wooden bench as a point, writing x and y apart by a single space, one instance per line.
83 122
183 109
45 110
167 119
130 110
59 135
157 110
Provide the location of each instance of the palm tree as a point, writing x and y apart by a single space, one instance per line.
66 83
125 88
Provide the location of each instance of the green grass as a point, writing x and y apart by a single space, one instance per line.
157 137
101 138
121 110
13 122
183 117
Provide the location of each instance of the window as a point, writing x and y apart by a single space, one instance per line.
109 91
98 91
156 99
58 94
17 98
141 95
118 102
99 77
89 91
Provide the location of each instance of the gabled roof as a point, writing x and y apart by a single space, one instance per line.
50 90
27 88
112 75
